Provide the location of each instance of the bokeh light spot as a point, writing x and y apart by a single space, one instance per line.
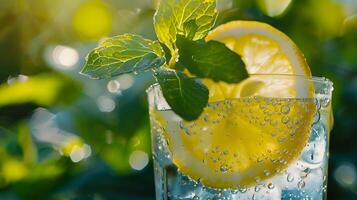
125 81
113 86
105 104
14 170
274 8
79 153
138 160
345 174
92 20
64 57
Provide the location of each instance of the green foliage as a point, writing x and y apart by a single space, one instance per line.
185 95
123 54
46 89
190 18
211 60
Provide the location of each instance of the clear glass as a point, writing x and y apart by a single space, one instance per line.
296 170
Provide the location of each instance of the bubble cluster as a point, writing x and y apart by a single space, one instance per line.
264 135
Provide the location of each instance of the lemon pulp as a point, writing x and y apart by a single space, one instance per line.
238 142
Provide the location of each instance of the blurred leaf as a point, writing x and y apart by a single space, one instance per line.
186 96
44 89
29 149
123 54
191 18
93 20
350 25
273 8
14 170
211 60
319 12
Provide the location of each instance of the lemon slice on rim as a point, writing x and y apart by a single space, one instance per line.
264 50
239 141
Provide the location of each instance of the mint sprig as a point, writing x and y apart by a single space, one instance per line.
211 60
123 54
186 96
192 19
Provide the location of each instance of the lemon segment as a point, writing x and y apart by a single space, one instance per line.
235 143
264 50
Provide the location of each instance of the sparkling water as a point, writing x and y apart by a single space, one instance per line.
303 177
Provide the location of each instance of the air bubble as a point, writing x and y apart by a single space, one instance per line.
223 168
266 173
196 197
257 180
325 102
205 118
285 109
285 119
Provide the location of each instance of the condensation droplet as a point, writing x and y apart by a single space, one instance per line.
271 186
257 188
242 190
301 184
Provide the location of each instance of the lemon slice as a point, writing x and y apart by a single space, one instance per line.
240 139
264 50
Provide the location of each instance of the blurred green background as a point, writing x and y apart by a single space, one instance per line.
63 136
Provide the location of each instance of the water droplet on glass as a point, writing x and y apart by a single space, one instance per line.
218 193
301 184
257 188
270 185
316 117
253 197
242 190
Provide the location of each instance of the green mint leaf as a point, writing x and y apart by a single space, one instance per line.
186 96
211 60
191 18
123 54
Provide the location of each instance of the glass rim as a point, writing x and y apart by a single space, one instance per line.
313 78
316 79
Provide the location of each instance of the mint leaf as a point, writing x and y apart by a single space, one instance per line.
191 18
211 60
123 54
186 96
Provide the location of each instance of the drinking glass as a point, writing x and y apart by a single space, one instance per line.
273 138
